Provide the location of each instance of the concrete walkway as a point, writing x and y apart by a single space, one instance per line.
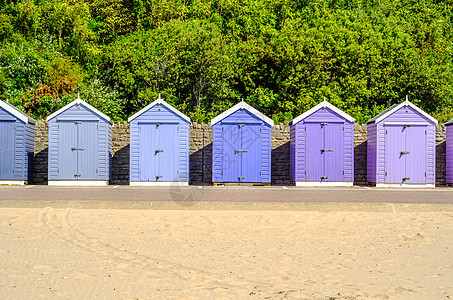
244 198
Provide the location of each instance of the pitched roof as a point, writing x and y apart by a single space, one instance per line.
159 101
317 107
242 105
17 113
78 101
449 122
395 107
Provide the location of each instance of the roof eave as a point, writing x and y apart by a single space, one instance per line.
242 105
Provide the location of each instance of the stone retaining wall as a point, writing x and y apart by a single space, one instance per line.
201 154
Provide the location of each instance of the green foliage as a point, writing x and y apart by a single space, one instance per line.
281 56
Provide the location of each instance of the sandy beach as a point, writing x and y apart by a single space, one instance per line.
67 253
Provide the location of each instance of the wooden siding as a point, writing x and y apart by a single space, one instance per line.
371 152
292 153
217 155
134 174
449 153
241 116
300 155
78 112
380 153
324 115
103 159
53 150
431 154
183 153
29 151
266 153
348 151
19 152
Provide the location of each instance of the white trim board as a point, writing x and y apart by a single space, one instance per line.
323 183
78 101
242 105
17 113
12 182
159 101
319 106
405 185
78 183
405 103
159 183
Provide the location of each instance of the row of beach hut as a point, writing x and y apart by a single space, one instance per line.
400 148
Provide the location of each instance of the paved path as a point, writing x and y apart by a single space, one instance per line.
226 194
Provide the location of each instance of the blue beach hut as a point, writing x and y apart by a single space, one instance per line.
17 144
241 146
80 145
160 145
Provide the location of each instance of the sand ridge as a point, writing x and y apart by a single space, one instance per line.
72 253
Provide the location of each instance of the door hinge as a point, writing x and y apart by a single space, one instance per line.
425 174
14 127
58 171
385 131
385 174
96 171
97 126
343 172
425 132
177 171
58 126
13 171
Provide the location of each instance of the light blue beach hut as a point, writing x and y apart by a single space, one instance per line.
80 145
160 145
17 143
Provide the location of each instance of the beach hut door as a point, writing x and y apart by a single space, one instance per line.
325 152
77 147
7 149
405 154
242 155
158 152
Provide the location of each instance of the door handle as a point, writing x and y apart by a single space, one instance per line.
241 125
77 175
241 177
323 177
240 150
75 148
157 151
324 123
406 178
325 150
157 177
404 152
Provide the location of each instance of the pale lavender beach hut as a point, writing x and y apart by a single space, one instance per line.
17 142
401 147
449 151
80 145
160 146
241 146
322 147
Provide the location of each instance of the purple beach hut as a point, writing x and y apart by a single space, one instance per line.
449 151
401 147
241 146
159 146
322 147
17 142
